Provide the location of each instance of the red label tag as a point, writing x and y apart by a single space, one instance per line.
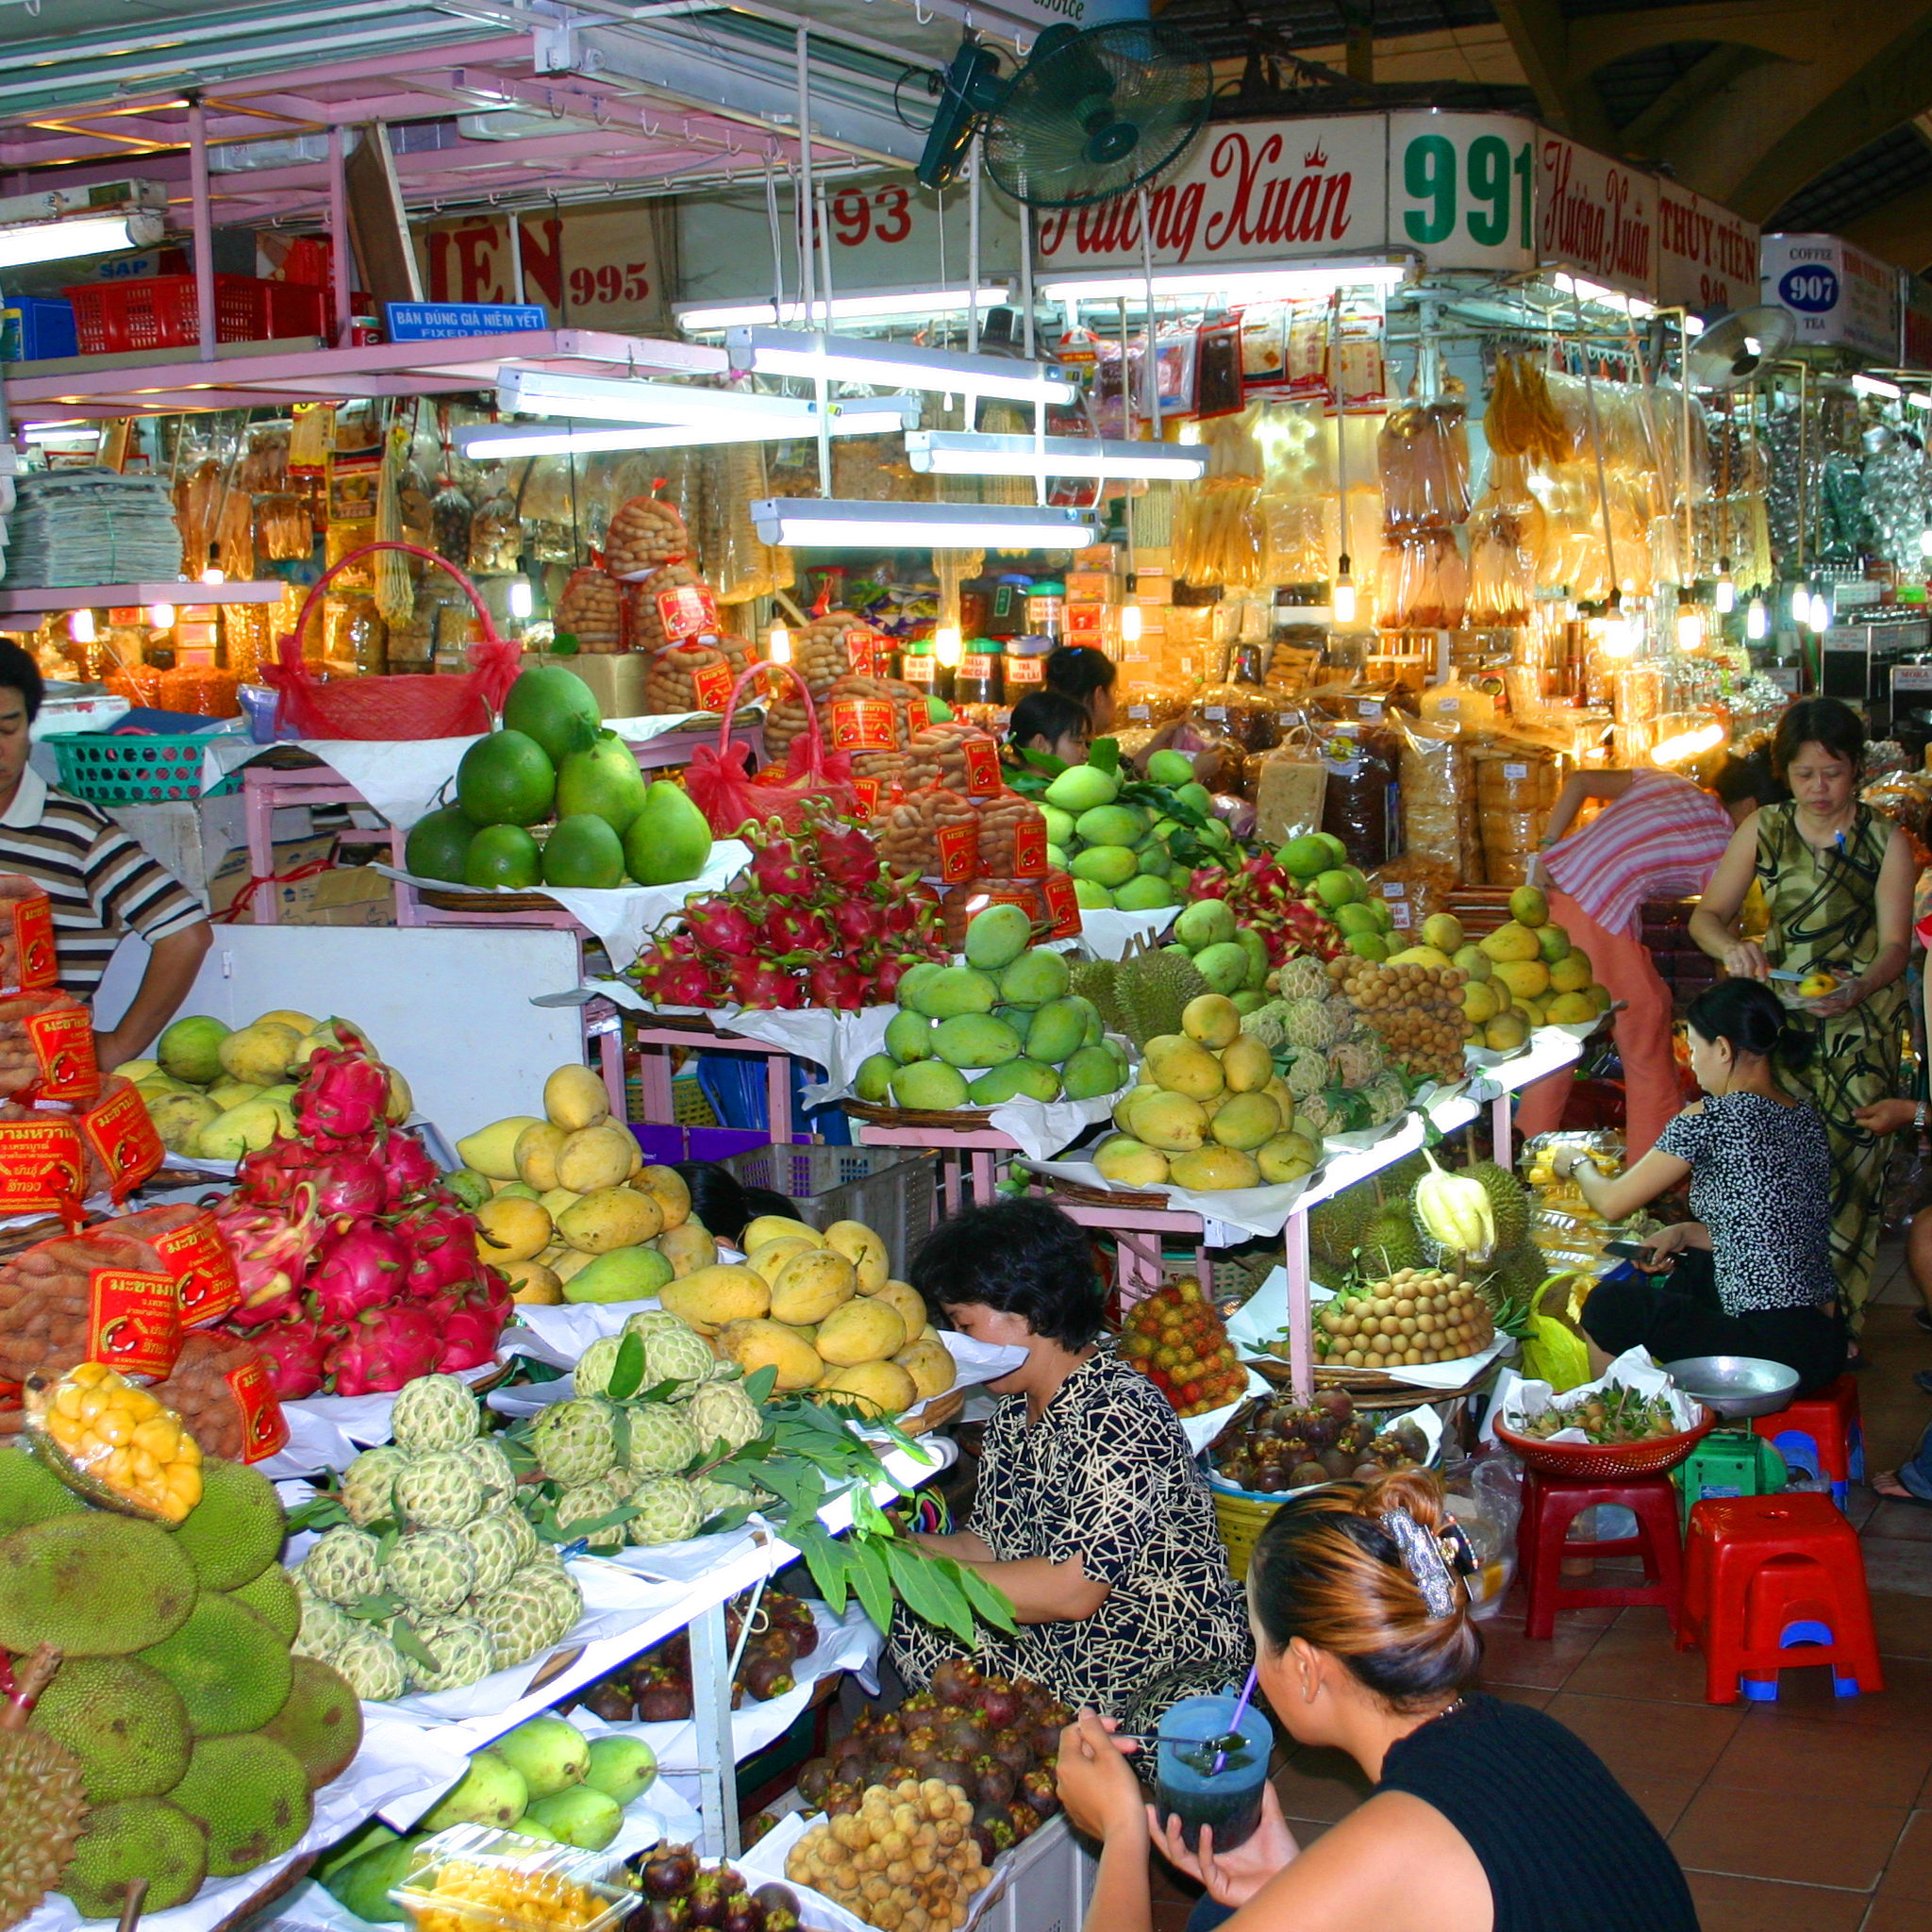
134 1322
687 610
1086 619
869 793
264 1427
866 652
64 1044
863 725
206 1284
42 1168
1028 902
1063 906
982 756
958 852
33 944
1026 670
712 687
1030 846
917 716
919 668
120 1131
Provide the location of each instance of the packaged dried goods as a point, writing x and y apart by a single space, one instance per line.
1515 786
1437 823
1244 712
737 564
1012 838
1422 456
644 534
932 834
960 757
98 1296
221 1387
963 904
450 516
191 1244
672 606
695 676
1521 420
47 1047
1360 805
1290 786
27 962
591 610
495 535
834 646
1422 583
120 1145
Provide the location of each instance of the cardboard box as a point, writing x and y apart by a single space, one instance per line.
344 896
617 681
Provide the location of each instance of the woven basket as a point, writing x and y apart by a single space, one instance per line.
1582 1460
937 1413
486 903
1100 1197
957 1120
1241 1521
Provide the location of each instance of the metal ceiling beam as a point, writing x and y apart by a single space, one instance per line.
1709 78
1792 29
1900 231
1541 37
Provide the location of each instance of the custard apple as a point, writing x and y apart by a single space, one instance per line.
432 1571
575 1442
662 1442
369 1482
585 1503
669 1509
464 1651
440 1490
1304 977
723 1413
1308 1071
1314 1116
677 1354
343 1567
1315 1023
371 1663
1354 1064
592 1374
536 1608
495 1548
486 1456
323 1628
434 1412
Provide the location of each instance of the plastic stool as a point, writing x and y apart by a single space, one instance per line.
1821 1434
1550 1504
1772 1582
1728 1462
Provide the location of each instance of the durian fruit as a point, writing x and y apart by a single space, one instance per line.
1336 1224
1511 1285
1509 1202
43 1799
1454 1211
1153 990
1098 980
1388 1239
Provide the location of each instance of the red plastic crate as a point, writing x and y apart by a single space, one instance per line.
160 313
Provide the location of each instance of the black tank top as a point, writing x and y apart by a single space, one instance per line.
1565 1847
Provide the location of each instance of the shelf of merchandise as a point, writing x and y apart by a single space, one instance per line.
176 591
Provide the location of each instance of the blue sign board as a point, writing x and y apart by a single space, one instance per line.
433 322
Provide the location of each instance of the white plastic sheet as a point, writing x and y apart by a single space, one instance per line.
1106 933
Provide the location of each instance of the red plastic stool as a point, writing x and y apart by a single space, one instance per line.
1821 1434
1771 1582
1551 1503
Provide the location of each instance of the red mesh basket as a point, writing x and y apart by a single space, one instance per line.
164 312
721 787
456 705
1581 1460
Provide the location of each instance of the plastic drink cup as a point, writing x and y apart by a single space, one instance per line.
1187 1787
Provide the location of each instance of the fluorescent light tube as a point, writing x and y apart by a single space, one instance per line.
1871 386
1596 292
819 523
863 416
89 235
591 398
1251 284
701 318
964 453
898 365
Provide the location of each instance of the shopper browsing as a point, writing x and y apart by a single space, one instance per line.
1091 1511
101 884
1485 1816
1760 1169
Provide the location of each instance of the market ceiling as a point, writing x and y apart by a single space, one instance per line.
1783 110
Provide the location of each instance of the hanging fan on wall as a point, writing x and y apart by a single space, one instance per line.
1092 114
1734 349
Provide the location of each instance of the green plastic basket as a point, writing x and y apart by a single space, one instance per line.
129 769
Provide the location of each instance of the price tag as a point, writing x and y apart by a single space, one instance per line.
1516 773
134 1322
1370 711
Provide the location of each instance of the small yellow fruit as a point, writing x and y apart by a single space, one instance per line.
772 1228
532 1282
593 1158
864 1249
536 1155
1211 1019
574 1099
508 1228
666 1187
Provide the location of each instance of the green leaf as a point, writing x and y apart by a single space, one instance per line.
1104 755
376 1609
1045 761
828 1562
928 1593
871 1577
986 1600
759 1387
627 1371
320 1512
413 1647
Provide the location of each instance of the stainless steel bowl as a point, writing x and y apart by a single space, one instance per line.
1735 1386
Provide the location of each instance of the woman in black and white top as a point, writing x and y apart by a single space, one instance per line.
1760 1168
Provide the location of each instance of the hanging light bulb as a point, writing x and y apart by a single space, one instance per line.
1925 540
946 647
1801 606
1690 629
161 616
778 644
1342 595
521 599
81 628
1726 599
1757 619
1130 624
214 573
1820 614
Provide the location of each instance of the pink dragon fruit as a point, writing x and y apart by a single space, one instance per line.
296 1352
440 1241
272 1247
342 1096
469 1336
361 1266
271 1173
350 1183
384 1348
779 871
847 855
406 1166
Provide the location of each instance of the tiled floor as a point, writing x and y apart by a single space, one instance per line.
1813 1814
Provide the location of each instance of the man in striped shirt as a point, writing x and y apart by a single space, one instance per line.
1658 837
102 884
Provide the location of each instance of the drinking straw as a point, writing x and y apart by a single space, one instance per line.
1234 1726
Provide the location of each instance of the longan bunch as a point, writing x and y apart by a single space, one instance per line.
1417 1009
905 1861
1417 1315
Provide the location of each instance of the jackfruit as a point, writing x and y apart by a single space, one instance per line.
271 1597
124 1723
320 1725
249 1795
231 1669
92 1585
235 1532
30 1491
1335 1226
138 1837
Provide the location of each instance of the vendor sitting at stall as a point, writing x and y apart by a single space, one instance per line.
1086 675
1091 1514
1050 723
1753 1274
102 884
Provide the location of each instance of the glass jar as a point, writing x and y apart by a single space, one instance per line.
980 678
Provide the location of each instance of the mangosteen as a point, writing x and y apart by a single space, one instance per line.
1308 1476
666 1870
1338 1462
918 1705
805 1638
1364 1471
767 1676
1026 1821
1013 1751
1337 1401
838 1799
885 1724
918 1748
774 1643
611 1701
742 1913
955 1681
852 1767
658 1915
993 1783
707 1899
997 1822
952 1770
999 1703
1320 1431
664 1703
1045 1740
776 1897
965 1737
813 1780
1037 1789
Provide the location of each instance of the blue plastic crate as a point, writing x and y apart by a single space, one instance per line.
36 328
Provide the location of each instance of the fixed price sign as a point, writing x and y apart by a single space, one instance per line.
1462 189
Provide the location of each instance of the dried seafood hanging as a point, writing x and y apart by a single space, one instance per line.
1423 455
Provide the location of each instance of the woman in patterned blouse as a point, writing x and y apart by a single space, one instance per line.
1091 1514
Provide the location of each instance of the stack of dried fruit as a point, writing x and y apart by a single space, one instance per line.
1288 1445
1174 1337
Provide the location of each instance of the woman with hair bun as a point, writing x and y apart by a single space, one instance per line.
1760 1168
1485 1816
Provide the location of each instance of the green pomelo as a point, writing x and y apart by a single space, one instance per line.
975 1039
1104 865
1080 788
908 1037
506 779
437 845
1091 1072
1111 825
1015 1079
873 1080
996 936
950 992
668 841
191 1049
584 850
556 707
503 855
624 1275
1057 1030
929 1084
1206 923
1171 768
602 779
1035 978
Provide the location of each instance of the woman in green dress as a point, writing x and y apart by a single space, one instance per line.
1837 880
